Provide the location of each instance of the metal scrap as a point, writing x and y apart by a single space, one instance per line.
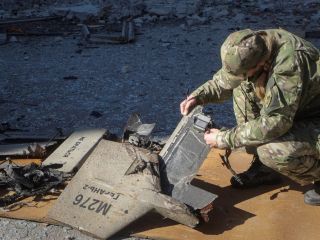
127 35
181 158
29 180
33 150
139 134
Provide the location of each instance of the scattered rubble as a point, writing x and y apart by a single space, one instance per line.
173 57
29 180
127 35
80 11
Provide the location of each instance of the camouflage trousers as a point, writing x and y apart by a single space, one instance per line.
295 154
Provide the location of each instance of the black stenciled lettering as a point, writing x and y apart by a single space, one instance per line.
115 198
102 191
77 199
91 206
105 207
85 186
83 204
74 147
96 190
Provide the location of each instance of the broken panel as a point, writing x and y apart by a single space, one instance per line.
104 196
182 157
75 149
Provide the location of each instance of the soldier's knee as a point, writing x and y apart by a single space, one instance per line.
274 156
265 157
289 161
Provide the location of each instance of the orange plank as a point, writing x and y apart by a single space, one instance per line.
264 213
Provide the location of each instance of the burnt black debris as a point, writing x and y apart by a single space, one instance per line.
139 134
30 180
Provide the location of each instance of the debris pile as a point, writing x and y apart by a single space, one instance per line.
98 21
29 180
139 134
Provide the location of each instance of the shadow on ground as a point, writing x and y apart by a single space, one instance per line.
225 215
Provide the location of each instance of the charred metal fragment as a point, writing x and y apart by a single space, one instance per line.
139 134
116 185
29 180
181 159
119 182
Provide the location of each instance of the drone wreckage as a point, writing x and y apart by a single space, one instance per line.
115 183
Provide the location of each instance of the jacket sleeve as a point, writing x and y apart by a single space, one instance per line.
283 93
212 91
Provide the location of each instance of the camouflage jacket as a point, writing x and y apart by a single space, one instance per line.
292 92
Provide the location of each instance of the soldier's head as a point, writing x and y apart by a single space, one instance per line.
243 53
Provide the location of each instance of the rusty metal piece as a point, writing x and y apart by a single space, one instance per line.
204 212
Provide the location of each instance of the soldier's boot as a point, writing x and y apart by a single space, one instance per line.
312 197
257 175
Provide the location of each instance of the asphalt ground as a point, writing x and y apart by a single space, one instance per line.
150 76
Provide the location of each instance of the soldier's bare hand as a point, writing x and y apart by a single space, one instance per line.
187 105
211 137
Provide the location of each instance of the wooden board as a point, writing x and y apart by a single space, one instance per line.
264 213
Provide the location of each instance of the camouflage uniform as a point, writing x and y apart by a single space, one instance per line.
284 126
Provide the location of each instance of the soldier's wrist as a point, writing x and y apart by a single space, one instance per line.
221 140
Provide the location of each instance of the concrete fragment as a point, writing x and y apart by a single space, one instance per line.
81 11
75 149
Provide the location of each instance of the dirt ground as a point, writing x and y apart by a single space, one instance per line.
150 76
